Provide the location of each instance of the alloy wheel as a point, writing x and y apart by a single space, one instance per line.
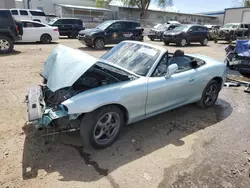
4 44
106 128
211 95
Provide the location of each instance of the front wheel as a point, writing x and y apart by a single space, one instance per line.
102 127
6 45
209 95
99 44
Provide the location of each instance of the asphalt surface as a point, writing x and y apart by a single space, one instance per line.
188 147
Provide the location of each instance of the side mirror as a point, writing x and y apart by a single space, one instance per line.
190 30
171 70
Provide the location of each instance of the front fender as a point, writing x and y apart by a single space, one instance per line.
130 94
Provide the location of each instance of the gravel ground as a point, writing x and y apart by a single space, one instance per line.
187 147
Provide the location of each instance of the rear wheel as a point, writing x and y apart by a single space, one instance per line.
99 44
45 39
204 42
6 45
74 34
152 39
209 95
102 127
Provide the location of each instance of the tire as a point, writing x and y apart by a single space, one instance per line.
45 39
152 39
74 34
99 44
6 45
166 43
183 42
90 46
215 41
245 74
208 100
204 42
95 127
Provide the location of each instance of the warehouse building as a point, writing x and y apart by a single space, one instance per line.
237 15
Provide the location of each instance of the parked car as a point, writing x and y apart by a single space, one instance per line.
68 26
187 34
29 14
111 32
10 31
35 31
157 33
231 31
213 31
131 82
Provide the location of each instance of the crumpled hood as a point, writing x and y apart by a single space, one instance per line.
65 65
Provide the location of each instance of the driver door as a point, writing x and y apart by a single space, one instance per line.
113 33
166 93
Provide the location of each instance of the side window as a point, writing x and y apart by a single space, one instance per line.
241 26
14 12
183 62
23 12
162 67
117 25
29 24
58 22
171 27
38 25
66 21
135 24
126 25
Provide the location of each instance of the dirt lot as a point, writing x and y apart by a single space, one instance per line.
187 147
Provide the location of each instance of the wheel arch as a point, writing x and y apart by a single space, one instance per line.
100 37
219 80
45 34
120 106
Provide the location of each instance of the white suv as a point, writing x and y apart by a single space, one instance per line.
29 14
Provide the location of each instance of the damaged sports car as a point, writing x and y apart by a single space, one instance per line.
131 82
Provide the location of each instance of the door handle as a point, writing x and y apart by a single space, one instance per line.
191 79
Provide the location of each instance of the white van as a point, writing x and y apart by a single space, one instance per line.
29 14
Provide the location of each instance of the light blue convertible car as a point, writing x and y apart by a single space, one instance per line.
131 82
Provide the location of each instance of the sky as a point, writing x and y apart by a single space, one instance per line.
196 6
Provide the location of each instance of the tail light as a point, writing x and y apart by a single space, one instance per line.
56 29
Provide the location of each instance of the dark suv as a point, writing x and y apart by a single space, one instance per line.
68 26
10 31
187 34
111 32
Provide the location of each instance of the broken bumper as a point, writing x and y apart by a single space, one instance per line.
38 113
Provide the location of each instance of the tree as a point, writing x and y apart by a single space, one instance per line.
245 3
142 4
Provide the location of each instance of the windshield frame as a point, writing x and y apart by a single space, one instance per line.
155 60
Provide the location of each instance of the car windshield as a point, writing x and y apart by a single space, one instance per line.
230 25
182 28
134 57
53 21
104 25
162 27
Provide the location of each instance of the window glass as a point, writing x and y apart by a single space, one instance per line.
37 13
66 21
28 24
23 12
5 18
78 22
241 26
117 25
162 67
38 25
14 12
135 24
126 25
